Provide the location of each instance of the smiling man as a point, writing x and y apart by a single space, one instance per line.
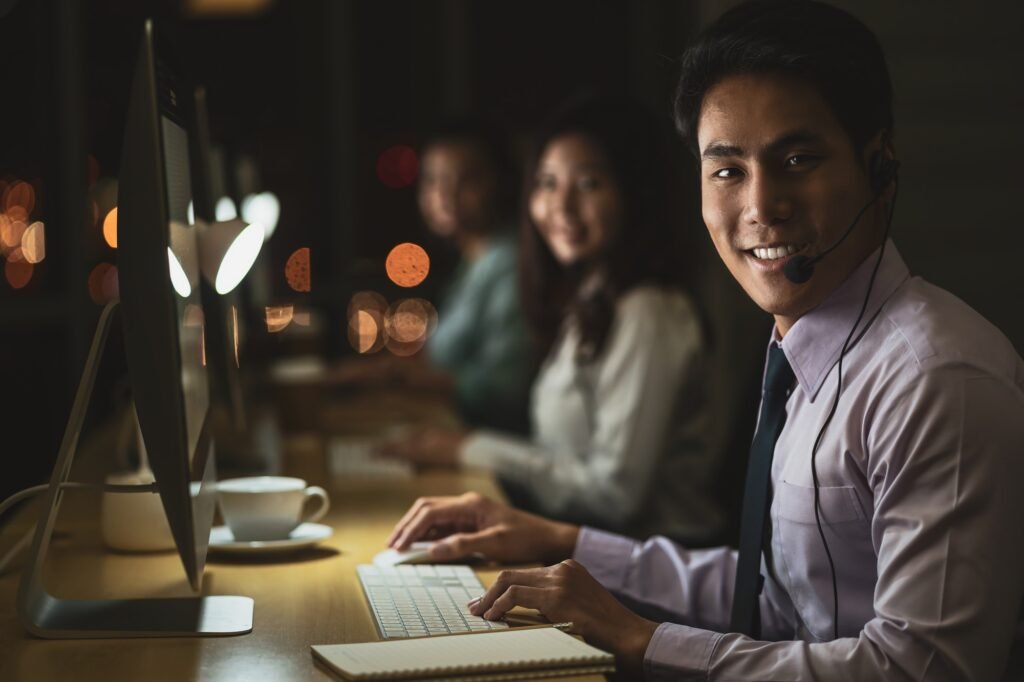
881 536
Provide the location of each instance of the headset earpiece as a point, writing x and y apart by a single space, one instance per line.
882 171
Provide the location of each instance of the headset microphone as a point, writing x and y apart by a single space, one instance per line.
883 171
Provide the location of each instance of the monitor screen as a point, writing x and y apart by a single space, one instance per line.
183 261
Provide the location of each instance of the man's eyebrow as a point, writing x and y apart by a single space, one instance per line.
796 138
719 150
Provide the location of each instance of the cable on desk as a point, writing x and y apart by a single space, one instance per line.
35 490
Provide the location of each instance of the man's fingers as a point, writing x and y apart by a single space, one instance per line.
413 512
531 577
518 595
428 516
458 545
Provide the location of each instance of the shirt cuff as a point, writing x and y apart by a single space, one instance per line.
606 556
679 652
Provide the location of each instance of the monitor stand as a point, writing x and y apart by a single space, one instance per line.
45 615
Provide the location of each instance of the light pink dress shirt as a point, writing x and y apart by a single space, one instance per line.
922 499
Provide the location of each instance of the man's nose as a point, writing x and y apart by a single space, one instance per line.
768 201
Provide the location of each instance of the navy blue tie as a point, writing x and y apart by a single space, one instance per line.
778 380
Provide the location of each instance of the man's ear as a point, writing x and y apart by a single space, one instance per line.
881 162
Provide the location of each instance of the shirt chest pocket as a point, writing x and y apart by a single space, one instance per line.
802 564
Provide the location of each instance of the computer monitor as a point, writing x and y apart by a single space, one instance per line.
163 321
163 318
223 314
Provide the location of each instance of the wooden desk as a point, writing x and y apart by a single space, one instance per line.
306 599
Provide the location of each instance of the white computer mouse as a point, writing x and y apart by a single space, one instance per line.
418 553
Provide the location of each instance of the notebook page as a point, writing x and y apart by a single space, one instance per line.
504 650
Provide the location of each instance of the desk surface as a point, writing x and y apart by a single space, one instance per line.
312 598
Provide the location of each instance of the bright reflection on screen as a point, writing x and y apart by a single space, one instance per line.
183 257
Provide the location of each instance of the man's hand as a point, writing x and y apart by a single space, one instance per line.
566 592
426 447
471 523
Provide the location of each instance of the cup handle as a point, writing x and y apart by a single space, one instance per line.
325 504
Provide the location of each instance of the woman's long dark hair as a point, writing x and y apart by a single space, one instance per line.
649 248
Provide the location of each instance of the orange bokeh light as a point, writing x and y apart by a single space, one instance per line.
278 317
297 270
407 264
110 228
19 200
18 273
11 231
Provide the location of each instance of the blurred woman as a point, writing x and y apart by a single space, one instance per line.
618 408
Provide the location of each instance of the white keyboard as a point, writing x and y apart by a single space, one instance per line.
423 599
352 457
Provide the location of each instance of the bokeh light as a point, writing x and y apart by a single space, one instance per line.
366 310
407 320
297 270
225 209
110 228
407 264
19 200
278 317
98 283
263 208
364 328
397 166
33 242
18 273
303 318
11 231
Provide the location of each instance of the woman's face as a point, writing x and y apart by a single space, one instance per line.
575 202
457 188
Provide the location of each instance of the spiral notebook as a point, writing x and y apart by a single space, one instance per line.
528 653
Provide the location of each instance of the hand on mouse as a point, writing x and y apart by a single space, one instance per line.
471 523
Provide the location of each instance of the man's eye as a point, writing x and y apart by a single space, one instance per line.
726 173
587 183
800 160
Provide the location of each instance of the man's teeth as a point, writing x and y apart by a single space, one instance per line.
774 252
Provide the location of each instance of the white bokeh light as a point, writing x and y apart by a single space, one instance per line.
263 208
226 209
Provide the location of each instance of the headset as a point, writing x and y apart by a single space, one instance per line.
883 172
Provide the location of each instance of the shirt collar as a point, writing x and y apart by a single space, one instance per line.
814 342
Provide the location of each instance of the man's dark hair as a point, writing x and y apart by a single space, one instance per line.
650 248
815 43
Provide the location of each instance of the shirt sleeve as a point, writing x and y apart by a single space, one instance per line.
649 356
945 462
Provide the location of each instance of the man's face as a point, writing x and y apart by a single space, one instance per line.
780 177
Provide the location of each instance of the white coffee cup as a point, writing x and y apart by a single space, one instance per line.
267 507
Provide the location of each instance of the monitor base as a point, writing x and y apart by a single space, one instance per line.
44 615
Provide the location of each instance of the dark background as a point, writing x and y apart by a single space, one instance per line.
310 93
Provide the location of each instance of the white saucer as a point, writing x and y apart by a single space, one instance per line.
305 535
